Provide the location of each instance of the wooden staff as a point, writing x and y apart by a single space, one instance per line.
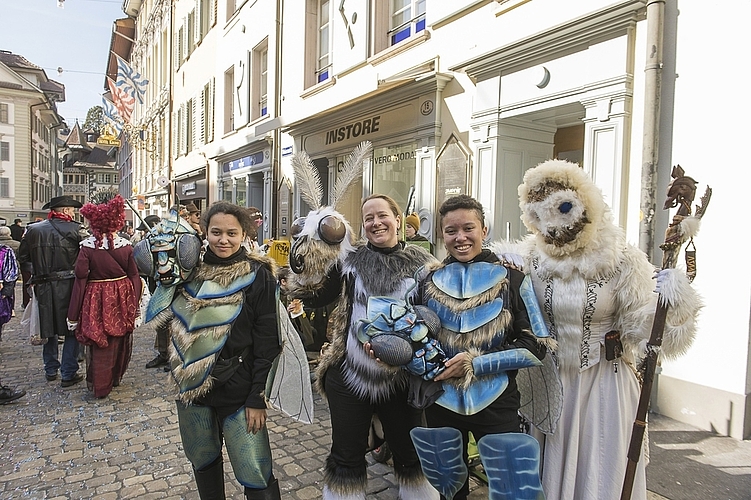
681 193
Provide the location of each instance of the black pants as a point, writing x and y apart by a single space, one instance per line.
350 424
491 420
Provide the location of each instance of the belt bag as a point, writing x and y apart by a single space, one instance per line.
225 368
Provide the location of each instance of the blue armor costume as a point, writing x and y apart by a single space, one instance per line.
483 313
222 318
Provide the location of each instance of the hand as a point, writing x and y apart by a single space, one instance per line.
369 351
454 367
513 260
72 325
295 308
660 277
256 418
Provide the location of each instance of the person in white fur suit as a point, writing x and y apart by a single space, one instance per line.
590 282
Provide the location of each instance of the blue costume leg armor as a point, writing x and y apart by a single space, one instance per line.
200 433
512 463
250 454
440 452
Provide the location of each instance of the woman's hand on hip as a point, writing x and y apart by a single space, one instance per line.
256 418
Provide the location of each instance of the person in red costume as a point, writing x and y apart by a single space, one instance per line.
106 292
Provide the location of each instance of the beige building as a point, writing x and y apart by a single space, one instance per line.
30 173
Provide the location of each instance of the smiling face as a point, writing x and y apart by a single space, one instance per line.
463 234
225 234
380 222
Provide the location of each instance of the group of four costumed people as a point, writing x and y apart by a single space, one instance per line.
416 342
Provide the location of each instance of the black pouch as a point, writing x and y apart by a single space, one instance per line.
613 345
9 288
225 368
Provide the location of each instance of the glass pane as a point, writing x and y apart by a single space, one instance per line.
324 16
394 171
227 191
242 192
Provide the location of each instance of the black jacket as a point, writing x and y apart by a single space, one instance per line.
49 251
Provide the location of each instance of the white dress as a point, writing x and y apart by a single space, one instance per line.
584 298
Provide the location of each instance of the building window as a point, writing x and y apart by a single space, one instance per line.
4 187
191 32
394 169
4 151
260 72
407 18
3 113
231 8
229 100
323 67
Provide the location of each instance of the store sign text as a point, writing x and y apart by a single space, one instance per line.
353 130
409 155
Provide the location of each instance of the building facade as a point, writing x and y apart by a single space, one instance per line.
464 97
30 173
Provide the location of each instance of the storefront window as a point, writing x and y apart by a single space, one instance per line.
394 171
226 191
242 192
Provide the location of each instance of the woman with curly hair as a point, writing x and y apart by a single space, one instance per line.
104 302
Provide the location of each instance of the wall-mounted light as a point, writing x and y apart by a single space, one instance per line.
541 77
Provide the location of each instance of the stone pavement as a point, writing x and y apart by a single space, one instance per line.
56 445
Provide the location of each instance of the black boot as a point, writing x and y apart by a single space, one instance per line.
271 492
210 481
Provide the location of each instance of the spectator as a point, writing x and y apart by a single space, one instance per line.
104 302
48 251
17 230
8 275
412 228
193 215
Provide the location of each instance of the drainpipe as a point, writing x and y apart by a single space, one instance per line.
276 151
650 153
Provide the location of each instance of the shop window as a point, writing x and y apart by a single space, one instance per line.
394 171
407 18
241 192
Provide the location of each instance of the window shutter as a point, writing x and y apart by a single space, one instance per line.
201 117
211 101
197 18
175 134
196 117
183 130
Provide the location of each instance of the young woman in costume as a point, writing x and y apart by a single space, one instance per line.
228 307
356 385
486 335
104 302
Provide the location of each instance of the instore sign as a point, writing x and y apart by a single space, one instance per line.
246 161
352 130
189 188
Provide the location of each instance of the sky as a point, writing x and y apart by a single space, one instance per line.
75 38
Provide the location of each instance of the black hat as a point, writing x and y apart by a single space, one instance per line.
150 221
62 201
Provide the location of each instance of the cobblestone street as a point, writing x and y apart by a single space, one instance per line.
56 445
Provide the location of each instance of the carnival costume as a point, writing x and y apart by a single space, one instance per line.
485 311
225 338
104 303
326 264
596 293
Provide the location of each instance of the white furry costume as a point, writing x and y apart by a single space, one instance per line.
589 281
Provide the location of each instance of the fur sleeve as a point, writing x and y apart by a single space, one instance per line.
636 302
